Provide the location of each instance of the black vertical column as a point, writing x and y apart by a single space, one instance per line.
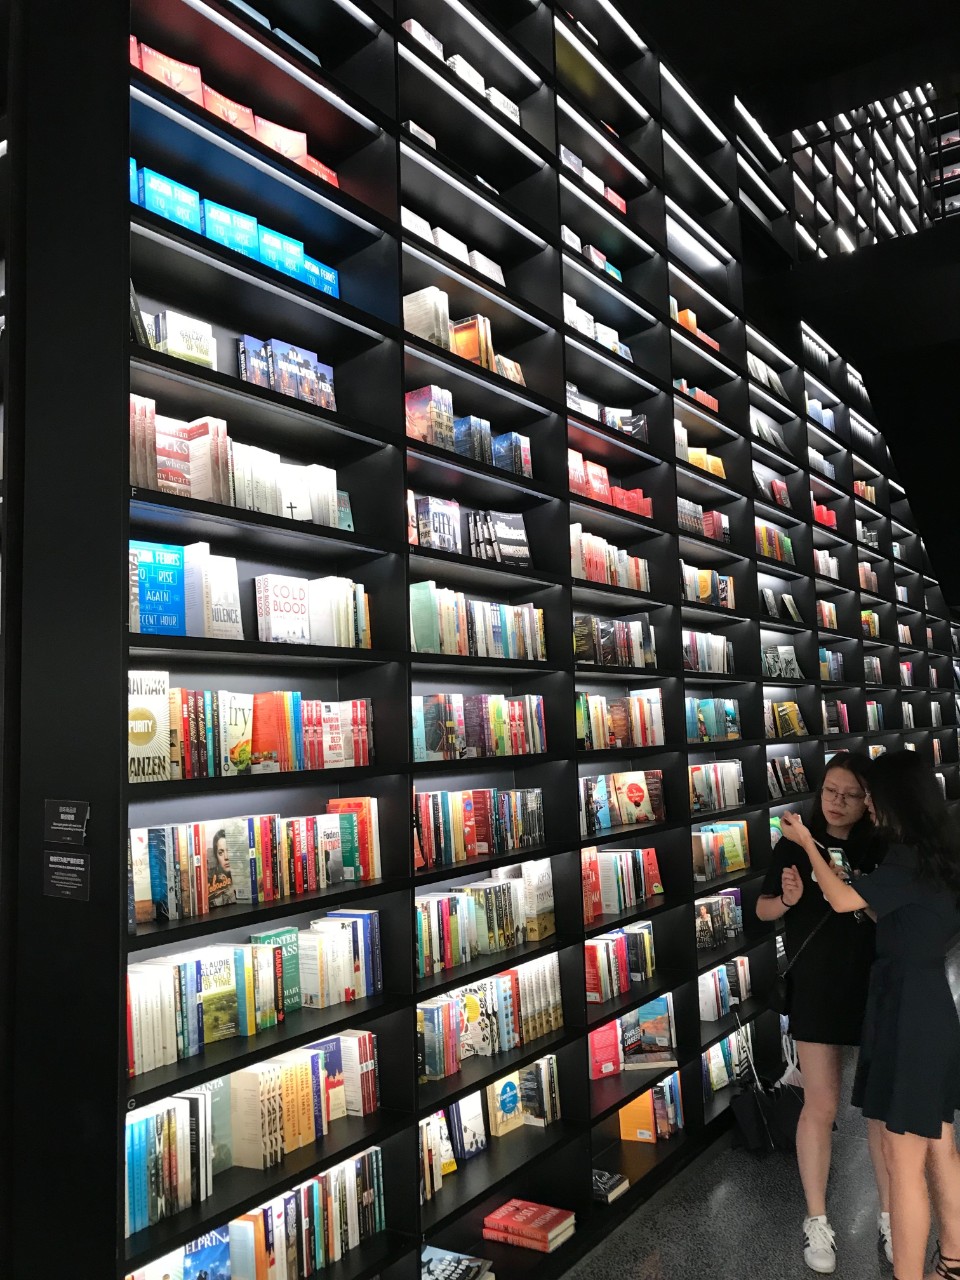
69 256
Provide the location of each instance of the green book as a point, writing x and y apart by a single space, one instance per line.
350 845
424 617
289 940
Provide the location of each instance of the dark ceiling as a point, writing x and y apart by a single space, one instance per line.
794 63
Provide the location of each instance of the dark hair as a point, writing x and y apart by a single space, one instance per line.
910 809
861 768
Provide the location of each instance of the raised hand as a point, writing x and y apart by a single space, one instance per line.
791 886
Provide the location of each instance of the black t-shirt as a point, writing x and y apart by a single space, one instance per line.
828 984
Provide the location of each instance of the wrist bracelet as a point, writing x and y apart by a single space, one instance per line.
785 902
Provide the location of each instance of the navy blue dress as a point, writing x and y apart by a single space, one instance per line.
909 1070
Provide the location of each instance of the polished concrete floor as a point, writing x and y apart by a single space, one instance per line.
732 1216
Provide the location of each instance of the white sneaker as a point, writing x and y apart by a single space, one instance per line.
820 1251
886 1240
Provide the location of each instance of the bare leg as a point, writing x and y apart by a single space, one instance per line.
820 1065
905 1155
875 1138
943 1168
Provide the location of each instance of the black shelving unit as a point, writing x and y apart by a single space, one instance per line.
696 197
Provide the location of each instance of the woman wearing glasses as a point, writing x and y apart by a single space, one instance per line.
908 1078
827 986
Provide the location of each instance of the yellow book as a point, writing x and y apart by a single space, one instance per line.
637 1122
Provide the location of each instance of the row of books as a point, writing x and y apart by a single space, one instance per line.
835 716
724 987
451 827
299 1233
188 733
429 417
765 374
463 69
626 421
593 255
635 720
786 776
771 487
179 1004
831 663
823 514
819 462
771 601
707 586
639 1040
583 321
594 559
773 543
188 869
609 800
875 720
570 160
720 848
766 430
826 565
865 490
686 317
727 1063
698 394
491 1016
614 880
715 785
654 1116
691 518
459 726
174 334
441 524
288 369
529 1096
453 926
231 229
782 719
827 616
779 661
590 479
719 919
705 651
612 961
426 314
451 244
867 577
712 719
187 591
187 80
614 642
696 455
443 620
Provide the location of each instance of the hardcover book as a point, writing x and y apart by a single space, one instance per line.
148 726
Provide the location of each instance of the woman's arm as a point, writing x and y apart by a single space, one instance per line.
841 896
771 908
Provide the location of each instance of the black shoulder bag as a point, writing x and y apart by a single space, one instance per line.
777 996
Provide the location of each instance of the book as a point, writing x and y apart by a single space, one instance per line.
526 1220
608 1187
148 726
157 605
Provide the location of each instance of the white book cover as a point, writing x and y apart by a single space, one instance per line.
148 726
295 492
282 609
331 609
266 471
323 503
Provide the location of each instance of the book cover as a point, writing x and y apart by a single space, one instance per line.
217 994
208 1258
236 723
148 726
160 603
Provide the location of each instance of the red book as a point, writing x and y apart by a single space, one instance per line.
540 1223
598 482
483 822
606 1055
616 200
651 873
270 890
524 1242
298 885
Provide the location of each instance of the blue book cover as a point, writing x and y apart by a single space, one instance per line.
157 851
321 276
160 588
333 1065
208 1258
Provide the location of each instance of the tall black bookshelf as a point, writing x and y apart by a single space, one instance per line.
584 81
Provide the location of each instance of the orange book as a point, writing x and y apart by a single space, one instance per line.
466 339
688 318
288 142
181 77
651 873
266 734
637 1121
233 112
320 170
367 835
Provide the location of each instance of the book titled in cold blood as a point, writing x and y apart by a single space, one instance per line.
148 726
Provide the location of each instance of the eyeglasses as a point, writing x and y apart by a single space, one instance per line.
843 797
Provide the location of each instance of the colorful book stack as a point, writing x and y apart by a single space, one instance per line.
443 620
612 642
707 586
614 960
712 719
724 987
593 559
719 848
610 800
655 1116
635 720
715 785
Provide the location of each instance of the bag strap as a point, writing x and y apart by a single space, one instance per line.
816 928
